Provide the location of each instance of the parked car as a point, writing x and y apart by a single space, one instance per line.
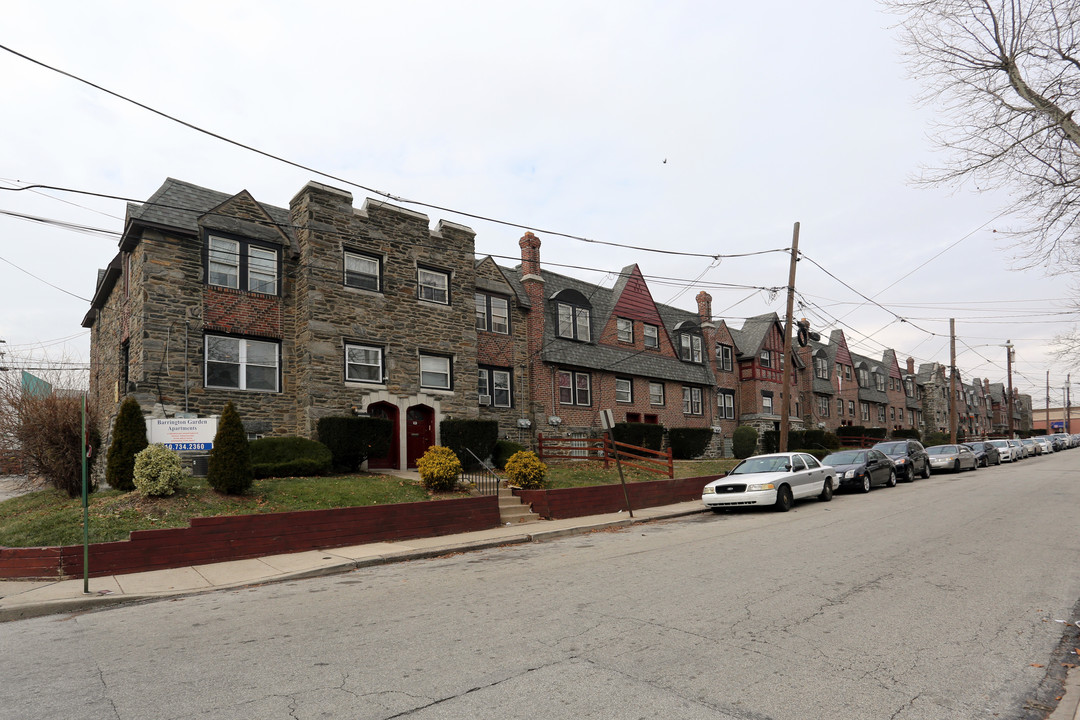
985 453
1033 447
908 456
951 457
1020 451
862 469
1045 444
1006 452
778 479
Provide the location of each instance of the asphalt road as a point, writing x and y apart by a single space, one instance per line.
938 599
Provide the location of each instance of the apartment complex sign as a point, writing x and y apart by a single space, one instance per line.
184 433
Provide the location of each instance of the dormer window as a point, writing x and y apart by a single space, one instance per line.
572 316
690 346
765 359
821 367
864 377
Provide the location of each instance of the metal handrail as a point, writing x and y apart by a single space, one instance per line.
486 480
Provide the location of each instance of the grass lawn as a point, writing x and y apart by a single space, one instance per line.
49 517
584 473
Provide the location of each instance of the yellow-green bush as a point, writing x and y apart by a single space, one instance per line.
525 470
439 468
157 471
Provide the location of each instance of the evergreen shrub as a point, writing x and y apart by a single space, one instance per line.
479 436
158 471
439 468
128 439
744 441
352 440
646 435
289 457
688 443
906 433
229 468
502 452
525 470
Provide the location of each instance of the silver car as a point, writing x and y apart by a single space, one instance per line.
1006 451
951 457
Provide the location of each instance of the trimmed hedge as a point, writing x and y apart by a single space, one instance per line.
846 431
646 435
352 440
461 436
744 441
502 452
689 443
816 452
289 457
936 438
905 434
814 439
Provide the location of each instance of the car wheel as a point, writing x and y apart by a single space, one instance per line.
784 499
999 460
926 471
956 466
866 483
891 482
717 510
826 491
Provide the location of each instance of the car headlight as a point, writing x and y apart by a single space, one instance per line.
708 490
759 487
901 461
850 474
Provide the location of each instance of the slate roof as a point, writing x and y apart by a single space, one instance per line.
560 351
871 393
178 204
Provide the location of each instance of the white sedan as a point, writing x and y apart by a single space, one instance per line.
1005 450
777 480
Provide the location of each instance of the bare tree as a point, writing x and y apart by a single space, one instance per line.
1006 76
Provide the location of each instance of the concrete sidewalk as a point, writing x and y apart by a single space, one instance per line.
21 599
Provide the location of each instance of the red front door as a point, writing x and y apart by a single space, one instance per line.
419 431
391 460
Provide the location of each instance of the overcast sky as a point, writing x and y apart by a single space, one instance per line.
700 127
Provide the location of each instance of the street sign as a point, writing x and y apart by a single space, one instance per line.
184 433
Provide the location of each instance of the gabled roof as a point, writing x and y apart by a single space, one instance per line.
750 338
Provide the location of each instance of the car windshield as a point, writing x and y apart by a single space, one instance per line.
847 457
896 448
764 464
942 450
999 443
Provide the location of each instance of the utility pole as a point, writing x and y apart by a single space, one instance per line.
1068 407
1047 402
952 381
785 398
1008 365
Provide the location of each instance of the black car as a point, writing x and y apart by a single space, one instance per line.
861 469
985 453
909 457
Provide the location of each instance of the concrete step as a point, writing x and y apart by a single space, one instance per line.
512 511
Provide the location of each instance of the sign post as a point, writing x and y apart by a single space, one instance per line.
607 421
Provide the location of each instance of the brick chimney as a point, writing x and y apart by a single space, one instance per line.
530 255
911 366
704 307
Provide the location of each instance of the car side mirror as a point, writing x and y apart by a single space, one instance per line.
787 468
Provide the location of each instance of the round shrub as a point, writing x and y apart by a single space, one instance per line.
439 468
525 470
158 471
744 441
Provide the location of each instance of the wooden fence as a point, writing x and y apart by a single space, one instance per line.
603 450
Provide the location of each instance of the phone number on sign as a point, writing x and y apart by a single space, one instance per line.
189 446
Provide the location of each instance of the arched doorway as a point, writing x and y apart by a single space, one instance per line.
391 460
419 432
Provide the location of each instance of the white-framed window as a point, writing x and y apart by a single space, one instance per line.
821 368
363 271
691 347
573 322
241 265
363 363
725 404
766 404
839 407
864 377
691 400
881 413
495 383
435 372
851 408
765 359
823 405
223 261
625 329
879 381
624 390
241 363
656 393
864 411
262 270
911 418
575 388
727 358
433 285
492 313
651 334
